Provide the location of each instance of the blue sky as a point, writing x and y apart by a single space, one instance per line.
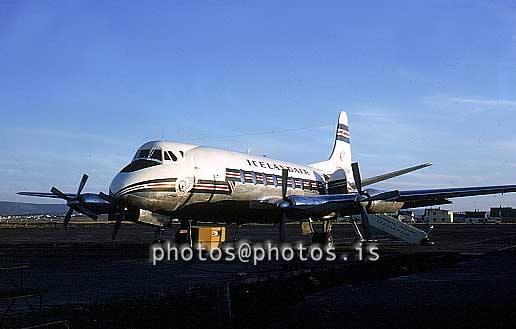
83 84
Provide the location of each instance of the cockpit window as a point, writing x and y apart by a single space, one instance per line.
166 156
140 164
182 154
154 154
157 155
143 154
172 155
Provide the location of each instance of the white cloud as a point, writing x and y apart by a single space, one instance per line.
469 104
506 146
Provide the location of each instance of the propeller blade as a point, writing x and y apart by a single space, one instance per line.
118 223
81 184
83 210
59 194
386 196
283 204
282 227
284 178
67 217
356 177
365 223
106 197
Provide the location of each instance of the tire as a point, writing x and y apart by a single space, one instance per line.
181 238
324 239
328 240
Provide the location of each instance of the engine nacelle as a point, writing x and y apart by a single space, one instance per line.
96 204
377 207
380 206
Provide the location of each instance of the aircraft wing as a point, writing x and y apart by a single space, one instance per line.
45 195
420 195
327 203
379 178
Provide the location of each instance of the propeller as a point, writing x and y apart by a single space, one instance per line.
74 202
117 216
118 222
107 197
284 204
363 199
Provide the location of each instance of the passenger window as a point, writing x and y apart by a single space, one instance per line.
156 154
264 179
275 180
293 183
172 155
242 177
253 175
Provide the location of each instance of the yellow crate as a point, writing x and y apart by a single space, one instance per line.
209 236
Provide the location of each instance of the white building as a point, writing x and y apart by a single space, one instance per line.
435 216
475 217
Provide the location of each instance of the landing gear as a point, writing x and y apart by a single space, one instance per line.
184 234
324 238
158 234
237 226
363 236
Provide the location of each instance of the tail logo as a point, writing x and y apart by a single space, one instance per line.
343 133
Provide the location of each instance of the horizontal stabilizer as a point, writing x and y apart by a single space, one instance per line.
376 179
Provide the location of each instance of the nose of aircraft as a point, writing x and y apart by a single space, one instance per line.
120 181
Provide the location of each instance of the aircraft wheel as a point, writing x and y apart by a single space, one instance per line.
181 237
426 242
324 239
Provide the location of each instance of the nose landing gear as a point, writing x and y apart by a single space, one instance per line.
184 234
158 235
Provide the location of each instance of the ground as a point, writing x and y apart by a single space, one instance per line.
465 280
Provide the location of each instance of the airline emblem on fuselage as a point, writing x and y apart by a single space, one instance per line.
269 165
184 185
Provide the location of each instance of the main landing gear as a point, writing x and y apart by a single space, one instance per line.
158 235
324 238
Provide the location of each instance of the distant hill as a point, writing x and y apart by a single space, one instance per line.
21 208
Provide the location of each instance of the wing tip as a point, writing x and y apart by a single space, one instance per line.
37 194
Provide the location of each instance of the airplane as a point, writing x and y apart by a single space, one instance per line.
167 180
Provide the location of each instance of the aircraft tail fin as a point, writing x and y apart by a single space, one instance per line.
338 166
340 157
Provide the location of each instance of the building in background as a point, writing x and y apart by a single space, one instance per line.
436 216
503 214
475 217
459 217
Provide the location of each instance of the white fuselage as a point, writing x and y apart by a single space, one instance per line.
204 183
